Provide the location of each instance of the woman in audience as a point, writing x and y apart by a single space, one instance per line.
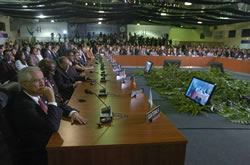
20 60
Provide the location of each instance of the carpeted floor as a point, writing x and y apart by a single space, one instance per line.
212 140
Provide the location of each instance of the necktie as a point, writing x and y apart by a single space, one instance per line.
43 105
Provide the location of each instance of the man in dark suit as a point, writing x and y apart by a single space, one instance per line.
32 120
48 68
65 79
8 71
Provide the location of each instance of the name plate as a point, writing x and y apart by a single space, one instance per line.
153 114
137 93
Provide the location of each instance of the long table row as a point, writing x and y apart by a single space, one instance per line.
230 64
126 141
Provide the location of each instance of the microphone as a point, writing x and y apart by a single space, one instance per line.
106 113
103 91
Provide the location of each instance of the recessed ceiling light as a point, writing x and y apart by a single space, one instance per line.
224 18
100 19
202 11
52 21
163 14
181 26
41 16
199 22
64 31
94 3
138 24
40 5
25 6
99 23
187 3
149 20
101 11
86 4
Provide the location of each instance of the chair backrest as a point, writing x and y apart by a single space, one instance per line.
7 140
168 63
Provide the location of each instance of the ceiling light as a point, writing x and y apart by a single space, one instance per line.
100 19
40 5
52 21
163 14
149 20
41 16
202 11
64 31
181 26
138 24
25 6
94 4
99 23
224 18
101 11
187 3
199 22
86 4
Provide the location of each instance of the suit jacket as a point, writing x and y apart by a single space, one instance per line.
33 128
31 124
7 71
33 60
48 54
65 80
59 99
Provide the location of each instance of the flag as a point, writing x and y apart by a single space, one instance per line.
133 83
150 98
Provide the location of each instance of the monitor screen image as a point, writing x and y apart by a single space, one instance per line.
200 91
148 66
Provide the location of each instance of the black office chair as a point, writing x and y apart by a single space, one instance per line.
7 140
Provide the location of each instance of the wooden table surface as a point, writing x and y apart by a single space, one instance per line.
129 140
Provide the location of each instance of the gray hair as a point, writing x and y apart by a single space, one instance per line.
25 73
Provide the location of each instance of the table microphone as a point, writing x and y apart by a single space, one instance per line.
106 113
102 92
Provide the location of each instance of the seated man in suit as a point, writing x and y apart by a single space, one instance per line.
65 78
32 120
8 71
48 68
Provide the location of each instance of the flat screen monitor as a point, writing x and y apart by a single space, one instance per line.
148 66
200 91
217 65
168 63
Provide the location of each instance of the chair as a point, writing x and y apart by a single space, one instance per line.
168 63
7 140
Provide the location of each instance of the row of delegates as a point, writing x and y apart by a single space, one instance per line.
36 113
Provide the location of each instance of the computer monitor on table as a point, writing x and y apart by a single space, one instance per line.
200 91
148 67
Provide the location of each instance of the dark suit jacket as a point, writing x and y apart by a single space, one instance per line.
33 128
59 99
65 81
31 124
7 71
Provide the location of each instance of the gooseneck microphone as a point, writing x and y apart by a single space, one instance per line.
106 113
103 91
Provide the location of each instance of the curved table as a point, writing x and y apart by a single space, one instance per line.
230 64
127 141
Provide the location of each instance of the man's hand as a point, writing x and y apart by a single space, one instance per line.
77 117
76 83
48 94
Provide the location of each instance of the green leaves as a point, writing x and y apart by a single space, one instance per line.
226 101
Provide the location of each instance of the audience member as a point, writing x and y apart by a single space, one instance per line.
32 120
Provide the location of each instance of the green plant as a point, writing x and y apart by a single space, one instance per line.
171 82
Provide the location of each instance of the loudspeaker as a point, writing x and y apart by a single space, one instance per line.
168 63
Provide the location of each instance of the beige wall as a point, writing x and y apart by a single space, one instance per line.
12 35
231 42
